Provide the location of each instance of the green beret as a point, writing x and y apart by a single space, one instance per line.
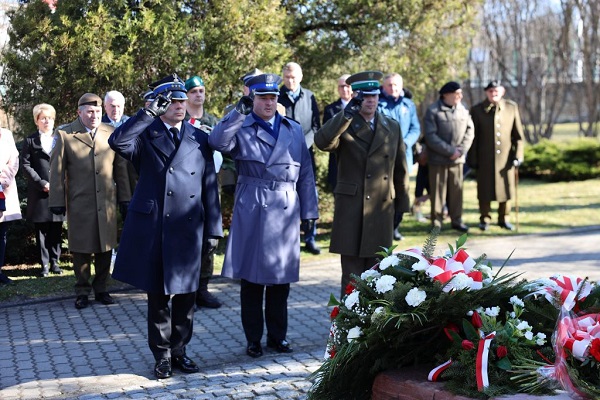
193 82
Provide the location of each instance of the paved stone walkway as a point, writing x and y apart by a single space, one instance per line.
50 350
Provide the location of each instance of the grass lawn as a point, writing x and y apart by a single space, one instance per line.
543 207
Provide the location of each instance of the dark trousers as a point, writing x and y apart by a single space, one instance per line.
3 231
309 228
485 211
170 329
354 265
83 271
48 241
446 187
275 311
422 181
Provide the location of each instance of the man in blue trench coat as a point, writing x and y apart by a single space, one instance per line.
275 189
173 217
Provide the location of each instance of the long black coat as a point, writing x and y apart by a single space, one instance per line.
35 164
175 206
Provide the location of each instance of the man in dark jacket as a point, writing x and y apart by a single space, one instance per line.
448 134
174 216
300 105
497 150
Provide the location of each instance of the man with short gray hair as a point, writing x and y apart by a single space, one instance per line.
114 106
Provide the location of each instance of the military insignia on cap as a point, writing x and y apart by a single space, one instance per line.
172 85
264 84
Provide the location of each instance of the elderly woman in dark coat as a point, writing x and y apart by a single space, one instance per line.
35 162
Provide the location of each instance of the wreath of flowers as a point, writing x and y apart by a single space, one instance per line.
399 312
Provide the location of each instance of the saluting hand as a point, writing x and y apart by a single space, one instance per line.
353 106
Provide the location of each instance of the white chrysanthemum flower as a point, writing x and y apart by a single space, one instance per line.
414 297
529 335
354 333
513 314
389 261
378 310
370 273
524 326
516 301
352 299
540 339
470 313
492 311
422 265
461 281
385 284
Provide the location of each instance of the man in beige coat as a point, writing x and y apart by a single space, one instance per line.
497 150
372 177
83 173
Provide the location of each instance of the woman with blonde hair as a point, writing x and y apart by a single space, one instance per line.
35 161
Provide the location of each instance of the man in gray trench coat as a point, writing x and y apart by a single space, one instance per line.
372 177
83 173
275 189
497 150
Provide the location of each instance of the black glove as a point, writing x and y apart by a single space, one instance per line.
123 206
244 106
159 105
353 106
58 210
210 245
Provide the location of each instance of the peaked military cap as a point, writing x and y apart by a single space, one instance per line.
193 82
264 84
148 95
170 84
367 82
493 84
90 99
244 78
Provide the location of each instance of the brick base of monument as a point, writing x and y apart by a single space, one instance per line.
412 384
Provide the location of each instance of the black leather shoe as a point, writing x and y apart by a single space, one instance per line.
55 269
483 226
397 234
81 301
506 225
461 228
312 247
162 368
185 364
254 349
280 346
104 298
204 298
45 271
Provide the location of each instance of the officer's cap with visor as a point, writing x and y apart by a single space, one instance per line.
264 84
367 82
172 84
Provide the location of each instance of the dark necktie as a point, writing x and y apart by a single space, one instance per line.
175 133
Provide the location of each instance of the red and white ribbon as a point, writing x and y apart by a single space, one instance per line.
435 373
483 351
567 289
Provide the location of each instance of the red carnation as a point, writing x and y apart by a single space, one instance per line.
350 288
467 345
595 349
501 351
476 320
334 312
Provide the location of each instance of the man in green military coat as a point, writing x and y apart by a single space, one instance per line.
496 151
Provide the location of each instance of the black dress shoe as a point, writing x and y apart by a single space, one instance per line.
280 346
104 298
55 269
45 271
254 349
204 298
483 226
81 301
185 364
506 225
312 247
162 368
461 228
